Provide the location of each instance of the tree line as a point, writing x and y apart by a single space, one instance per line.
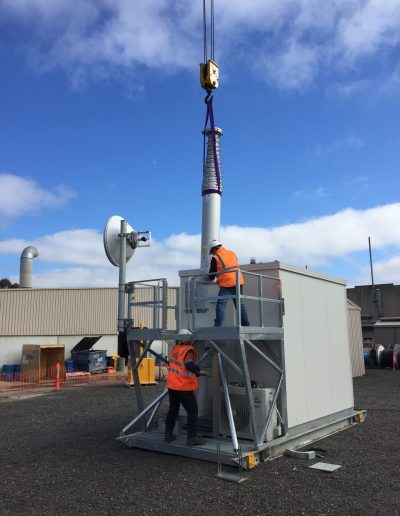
6 283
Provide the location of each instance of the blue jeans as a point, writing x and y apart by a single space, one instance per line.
221 304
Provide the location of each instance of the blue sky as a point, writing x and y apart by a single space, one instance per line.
101 113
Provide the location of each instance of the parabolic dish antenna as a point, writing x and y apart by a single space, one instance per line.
111 240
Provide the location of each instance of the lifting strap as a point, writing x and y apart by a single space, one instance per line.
210 116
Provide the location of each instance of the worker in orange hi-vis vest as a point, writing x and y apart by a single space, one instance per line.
225 260
183 373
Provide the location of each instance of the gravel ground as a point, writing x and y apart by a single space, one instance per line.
59 455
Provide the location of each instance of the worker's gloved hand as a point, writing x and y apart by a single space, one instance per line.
205 373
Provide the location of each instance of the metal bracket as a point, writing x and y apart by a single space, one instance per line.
230 477
303 455
135 240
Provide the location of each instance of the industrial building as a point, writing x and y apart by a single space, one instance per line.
64 316
380 312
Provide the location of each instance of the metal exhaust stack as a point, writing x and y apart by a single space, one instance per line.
25 271
211 191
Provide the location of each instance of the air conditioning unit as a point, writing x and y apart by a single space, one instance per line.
241 412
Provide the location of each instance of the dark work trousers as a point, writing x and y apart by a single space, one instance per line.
221 304
189 403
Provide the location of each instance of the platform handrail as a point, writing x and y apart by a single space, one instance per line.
159 303
193 300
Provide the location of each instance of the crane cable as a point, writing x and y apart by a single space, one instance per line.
212 31
204 32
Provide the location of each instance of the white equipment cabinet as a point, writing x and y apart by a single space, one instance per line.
316 348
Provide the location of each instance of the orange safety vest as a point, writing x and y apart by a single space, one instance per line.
179 378
226 259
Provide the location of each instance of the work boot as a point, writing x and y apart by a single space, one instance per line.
169 436
195 441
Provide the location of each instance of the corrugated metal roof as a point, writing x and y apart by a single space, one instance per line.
70 311
355 339
352 305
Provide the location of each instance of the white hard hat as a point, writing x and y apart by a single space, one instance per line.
184 331
212 244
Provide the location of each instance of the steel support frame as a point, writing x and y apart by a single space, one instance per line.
134 351
268 451
136 359
223 361
223 358
259 449
258 437
136 356
273 406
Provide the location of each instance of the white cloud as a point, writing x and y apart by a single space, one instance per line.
349 88
76 277
317 242
311 195
348 143
19 196
289 42
81 246
93 36
293 67
388 271
371 27
391 84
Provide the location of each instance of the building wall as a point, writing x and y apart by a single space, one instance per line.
371 322
387 334
74 311
317 356
11 347
390 299
31 312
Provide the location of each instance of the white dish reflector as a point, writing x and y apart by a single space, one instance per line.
112 242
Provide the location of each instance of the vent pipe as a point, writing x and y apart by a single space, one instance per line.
25 271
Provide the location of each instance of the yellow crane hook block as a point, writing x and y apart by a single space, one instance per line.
209 75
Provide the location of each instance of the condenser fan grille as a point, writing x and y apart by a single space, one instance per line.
240 412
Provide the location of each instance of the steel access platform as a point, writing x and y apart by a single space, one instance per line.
246 360
218 345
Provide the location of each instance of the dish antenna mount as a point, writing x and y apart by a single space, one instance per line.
120 242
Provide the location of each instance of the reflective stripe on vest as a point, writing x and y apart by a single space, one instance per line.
227 260
179 378
176 371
